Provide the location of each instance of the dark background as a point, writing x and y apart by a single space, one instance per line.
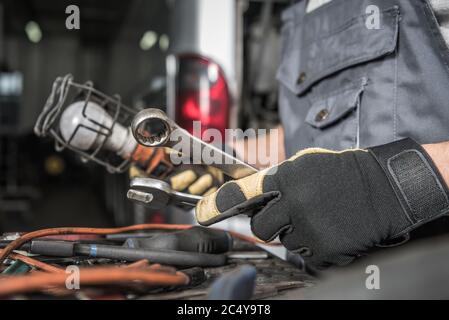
38 186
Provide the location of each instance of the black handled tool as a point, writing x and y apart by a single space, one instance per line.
169 257
195 239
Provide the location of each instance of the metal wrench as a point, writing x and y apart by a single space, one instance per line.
158 194
152 128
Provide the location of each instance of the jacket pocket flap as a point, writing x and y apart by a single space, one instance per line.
325 49
328 110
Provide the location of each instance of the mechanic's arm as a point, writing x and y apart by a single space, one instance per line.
334 206
439 152
263 150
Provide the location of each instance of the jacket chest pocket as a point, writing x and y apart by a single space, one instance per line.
333 119
328 61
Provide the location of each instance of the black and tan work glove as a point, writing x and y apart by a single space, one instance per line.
331 207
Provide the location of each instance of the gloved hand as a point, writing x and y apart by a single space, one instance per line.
331 207
196 179
193 179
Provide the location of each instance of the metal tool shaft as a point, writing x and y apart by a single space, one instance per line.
152 128
158 194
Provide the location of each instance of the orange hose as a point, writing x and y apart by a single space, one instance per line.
89 276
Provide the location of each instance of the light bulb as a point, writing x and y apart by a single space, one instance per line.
85 126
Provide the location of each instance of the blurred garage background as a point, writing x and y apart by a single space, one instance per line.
139 49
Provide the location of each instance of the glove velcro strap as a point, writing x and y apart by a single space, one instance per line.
416 182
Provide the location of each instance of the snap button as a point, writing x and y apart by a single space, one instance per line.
301 78
322 115
305 252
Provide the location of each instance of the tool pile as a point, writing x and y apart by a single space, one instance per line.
149 261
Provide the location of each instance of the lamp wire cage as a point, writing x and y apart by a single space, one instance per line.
66 91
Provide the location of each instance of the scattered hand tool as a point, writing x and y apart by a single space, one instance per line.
196 239
197 246
152 128
158 194
169 257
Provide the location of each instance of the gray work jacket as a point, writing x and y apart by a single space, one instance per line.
347 81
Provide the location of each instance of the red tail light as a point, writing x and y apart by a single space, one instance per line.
201 94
